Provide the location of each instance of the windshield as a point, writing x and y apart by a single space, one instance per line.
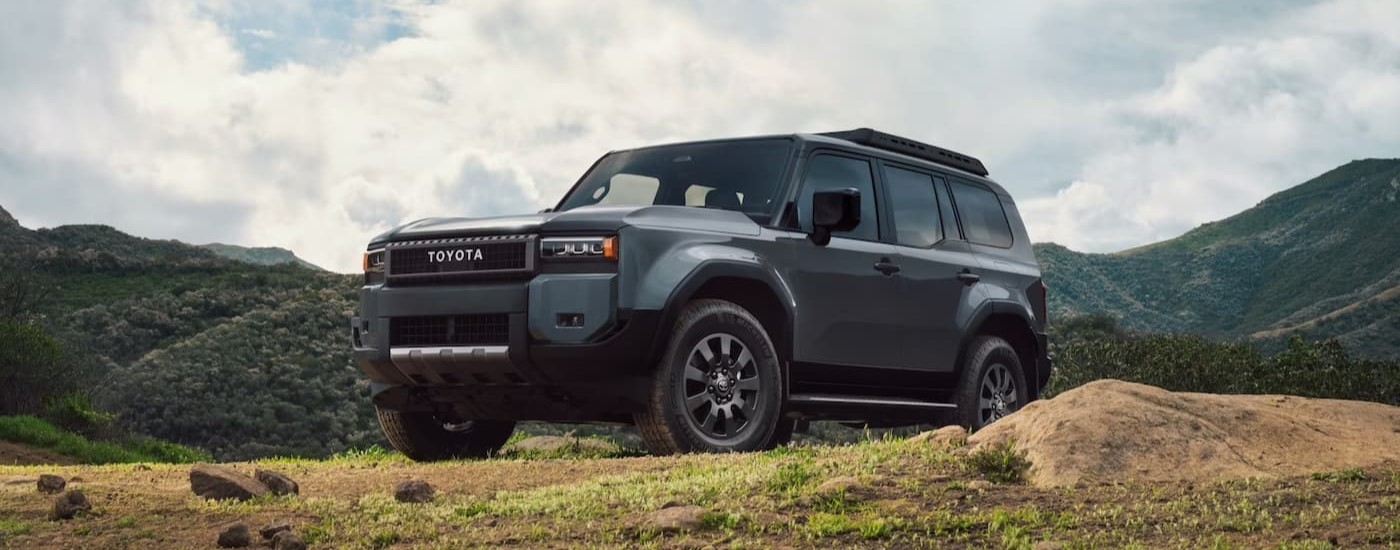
741 175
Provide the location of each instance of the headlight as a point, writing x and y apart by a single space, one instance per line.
374 261
578 248
374 267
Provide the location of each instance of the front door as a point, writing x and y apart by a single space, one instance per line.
846 291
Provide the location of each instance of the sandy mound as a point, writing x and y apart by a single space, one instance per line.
1118 431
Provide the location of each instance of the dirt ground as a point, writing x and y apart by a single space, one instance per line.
1119 431
15 454
1114 465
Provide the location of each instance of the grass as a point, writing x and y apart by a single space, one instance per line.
1339 476
910 495
38 433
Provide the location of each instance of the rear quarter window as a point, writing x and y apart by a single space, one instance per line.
983 218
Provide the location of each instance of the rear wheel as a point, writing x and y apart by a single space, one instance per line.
992 385
422 437
718 387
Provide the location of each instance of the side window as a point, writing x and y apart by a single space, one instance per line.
828 172
915 207
983 220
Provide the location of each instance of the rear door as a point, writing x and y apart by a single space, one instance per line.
843 321
932 257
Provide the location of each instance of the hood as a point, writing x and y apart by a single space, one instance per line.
589 219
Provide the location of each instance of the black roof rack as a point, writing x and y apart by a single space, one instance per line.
888 142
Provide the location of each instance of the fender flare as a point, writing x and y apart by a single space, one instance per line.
718 268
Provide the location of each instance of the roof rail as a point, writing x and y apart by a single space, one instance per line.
889 142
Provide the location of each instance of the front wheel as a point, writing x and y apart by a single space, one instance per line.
422 437
992 384
718 387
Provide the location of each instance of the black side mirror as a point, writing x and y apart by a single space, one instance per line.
835 210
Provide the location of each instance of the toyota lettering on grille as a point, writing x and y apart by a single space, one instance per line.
455 255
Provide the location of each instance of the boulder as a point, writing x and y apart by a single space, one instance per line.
70 504
413 490
51 484
277 483
675 518
221 483
270 531
287 540
235 536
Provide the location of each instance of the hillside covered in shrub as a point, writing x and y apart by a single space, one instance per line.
1321 259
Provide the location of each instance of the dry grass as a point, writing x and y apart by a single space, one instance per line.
912 495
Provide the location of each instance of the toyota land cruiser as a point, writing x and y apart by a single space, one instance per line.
714 294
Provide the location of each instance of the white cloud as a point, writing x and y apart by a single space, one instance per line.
1234 124
495 107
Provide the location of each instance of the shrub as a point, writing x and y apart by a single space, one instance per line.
1093 349
73 411
1000 463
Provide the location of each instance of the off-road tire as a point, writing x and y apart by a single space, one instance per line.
987 353
421 437
664 424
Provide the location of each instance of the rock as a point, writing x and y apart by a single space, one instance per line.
1122 432
413 490
288 540
235 536
221 483
950 437
675 518
70 504
270 531
51 484
277 483
554 444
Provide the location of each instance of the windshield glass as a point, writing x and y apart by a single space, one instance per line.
740 175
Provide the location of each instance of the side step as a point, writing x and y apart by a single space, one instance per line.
851 407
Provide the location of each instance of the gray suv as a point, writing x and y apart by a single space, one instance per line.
716 294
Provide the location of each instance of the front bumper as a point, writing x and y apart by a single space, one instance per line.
607 346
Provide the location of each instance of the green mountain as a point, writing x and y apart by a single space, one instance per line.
1321 259
258 255
244 360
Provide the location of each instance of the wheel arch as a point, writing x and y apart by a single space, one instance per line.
1009 321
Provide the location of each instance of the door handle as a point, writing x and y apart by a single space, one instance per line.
968 277
886 266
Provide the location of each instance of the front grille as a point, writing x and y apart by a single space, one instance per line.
450 330
460 256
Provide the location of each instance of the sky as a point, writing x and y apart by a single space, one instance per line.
315 125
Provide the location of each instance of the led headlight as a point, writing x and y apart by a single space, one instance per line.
374 261
374 267
578 248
